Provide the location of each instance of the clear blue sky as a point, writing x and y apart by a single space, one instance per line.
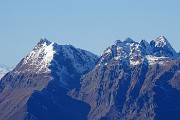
88 24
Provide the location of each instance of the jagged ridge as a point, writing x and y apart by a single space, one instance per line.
134 53
129 81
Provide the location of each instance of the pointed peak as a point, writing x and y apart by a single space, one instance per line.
44 40
146 45
161 41
143 40
161 37
128 40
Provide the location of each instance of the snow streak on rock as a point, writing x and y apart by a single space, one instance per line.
41 56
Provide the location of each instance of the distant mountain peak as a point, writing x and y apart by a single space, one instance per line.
162 48
144 44
128 40
161 41
4 69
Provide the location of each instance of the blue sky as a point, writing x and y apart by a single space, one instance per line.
88 24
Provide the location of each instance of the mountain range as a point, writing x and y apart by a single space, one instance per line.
129 81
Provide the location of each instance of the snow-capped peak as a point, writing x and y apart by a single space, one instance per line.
135 53
44 40
162 48
161 41
41 56
47 55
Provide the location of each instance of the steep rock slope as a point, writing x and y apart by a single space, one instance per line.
134 81
37 88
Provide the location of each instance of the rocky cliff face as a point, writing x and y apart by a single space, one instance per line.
134 81
130 80
140 92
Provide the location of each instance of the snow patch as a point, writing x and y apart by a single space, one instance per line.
107 51
134 62
41 57
154 60
78 56
161 42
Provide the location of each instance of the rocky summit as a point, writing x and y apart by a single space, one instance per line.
129 81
